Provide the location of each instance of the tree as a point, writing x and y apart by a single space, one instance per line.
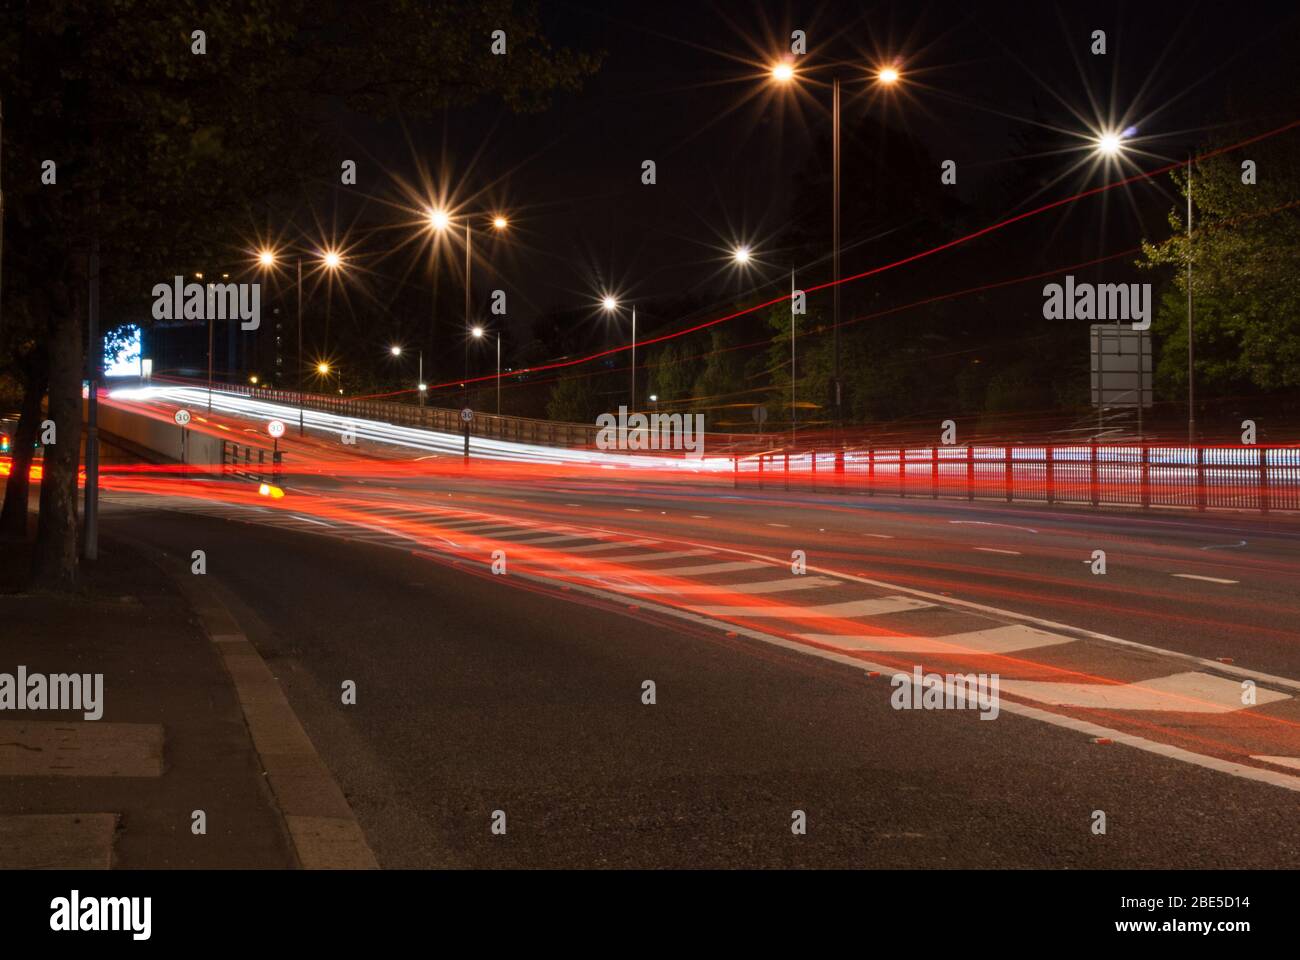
1245 253
161 148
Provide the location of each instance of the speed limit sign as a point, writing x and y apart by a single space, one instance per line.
275 428
467 414
182 417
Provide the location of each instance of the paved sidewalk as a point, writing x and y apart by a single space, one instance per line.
121 791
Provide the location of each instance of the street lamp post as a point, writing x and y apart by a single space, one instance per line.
784 73
610 303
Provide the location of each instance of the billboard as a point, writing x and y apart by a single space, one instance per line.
122 352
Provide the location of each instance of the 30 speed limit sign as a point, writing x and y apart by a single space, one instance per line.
275 428
182 417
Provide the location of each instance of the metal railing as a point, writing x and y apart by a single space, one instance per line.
245 462
1147 475
490 426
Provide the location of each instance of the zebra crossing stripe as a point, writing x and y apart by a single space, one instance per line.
1007 639
1180 693
824 611
764 586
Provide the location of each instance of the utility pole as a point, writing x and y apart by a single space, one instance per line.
90 532
835 253
1191 369
794 412
301 428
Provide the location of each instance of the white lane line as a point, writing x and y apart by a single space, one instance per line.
614 545
764 586
988 523
310 520
879 536
996 640
1293 762
1225 546
1177 693
652 556
1014 553
573 505
632 509
700 516
1195 576
823 611
785 525
556 539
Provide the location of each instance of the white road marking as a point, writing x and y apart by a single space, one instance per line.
1280 761
632 509
650 557
700 516
1225 546
1014 553
615 545
823 611
786 525
995 640
1194 576
310 520
1179 692
556 539
988 523
879 536
699 571
763 586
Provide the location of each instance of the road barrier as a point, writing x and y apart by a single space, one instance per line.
490 426
1139 475
245 462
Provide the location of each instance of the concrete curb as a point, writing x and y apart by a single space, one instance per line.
321 825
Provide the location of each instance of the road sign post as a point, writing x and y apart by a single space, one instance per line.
182 417
466 417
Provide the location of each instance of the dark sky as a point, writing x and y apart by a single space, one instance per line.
682 84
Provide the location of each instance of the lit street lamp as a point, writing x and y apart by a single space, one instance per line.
610 303
784 74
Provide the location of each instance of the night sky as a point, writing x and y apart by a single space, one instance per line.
683 84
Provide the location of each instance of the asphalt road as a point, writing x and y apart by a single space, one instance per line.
479 693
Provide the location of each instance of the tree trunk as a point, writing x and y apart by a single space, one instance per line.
13 517
54 565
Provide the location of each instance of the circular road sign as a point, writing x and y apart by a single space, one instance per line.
275 428
467 414
760 414
182 417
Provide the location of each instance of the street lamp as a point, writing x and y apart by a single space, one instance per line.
886 76
741 255
610 303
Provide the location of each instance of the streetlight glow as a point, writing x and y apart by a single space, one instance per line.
477 331
266 258
322 368
782 72
741 255
1110 144
439 220
331 259
609 303
395 351
887 75
499 222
